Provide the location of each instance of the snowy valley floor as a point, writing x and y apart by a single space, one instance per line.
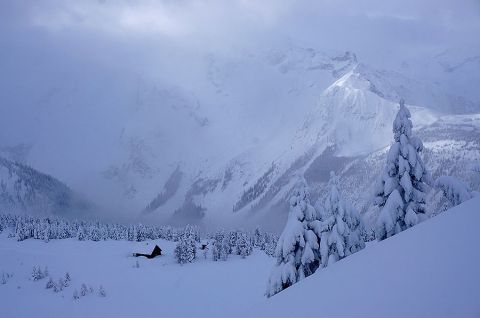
431 270
158 288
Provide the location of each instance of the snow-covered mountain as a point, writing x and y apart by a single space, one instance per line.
450 80
347 130
23 189
221 138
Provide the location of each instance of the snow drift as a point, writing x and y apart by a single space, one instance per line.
430 270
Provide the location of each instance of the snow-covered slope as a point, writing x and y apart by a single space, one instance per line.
430 270
24 189
355 113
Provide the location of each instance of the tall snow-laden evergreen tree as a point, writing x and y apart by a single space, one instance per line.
141 233
402 188
186 249
270 244
95 234
243 245
258 238
298 246
340 226
221 246
82 234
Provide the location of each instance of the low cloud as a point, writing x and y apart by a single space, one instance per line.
372 28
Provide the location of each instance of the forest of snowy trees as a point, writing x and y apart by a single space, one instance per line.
219 244
315 237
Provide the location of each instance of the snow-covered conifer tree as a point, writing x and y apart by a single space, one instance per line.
58 286
131 233
38 274
215 251
41 230
297 248
243 245
81 234
84 290
4 278
67 279
402 188
224 247
102 292
103 232
95 234
50 283
340 226
186 249
141 233
258 238
63 230
23 229
270 246
232 241
221 246
453 191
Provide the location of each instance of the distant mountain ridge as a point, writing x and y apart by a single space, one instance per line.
24 189
350 126
220 138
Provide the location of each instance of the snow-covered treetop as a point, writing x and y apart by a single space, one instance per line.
334 180
333 198
300 207
402 125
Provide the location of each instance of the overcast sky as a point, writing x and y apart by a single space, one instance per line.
376 29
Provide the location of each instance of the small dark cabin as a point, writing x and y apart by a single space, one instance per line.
156 252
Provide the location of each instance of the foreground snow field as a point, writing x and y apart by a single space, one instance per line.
430 270
158 288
